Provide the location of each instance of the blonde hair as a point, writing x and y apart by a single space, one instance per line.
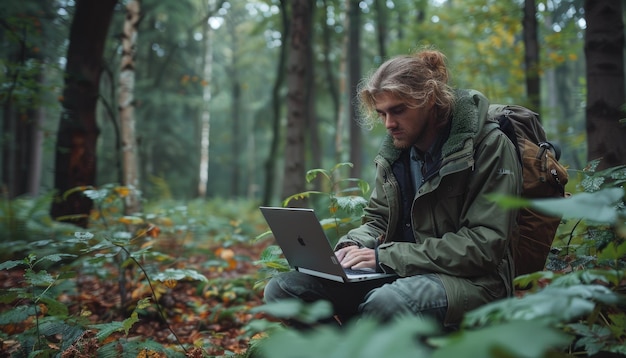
417 79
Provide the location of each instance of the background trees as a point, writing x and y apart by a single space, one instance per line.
604 50
250 103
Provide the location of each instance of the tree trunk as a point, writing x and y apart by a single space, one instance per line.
331 81
132 203
270 163
75 159
205 117
343 93
604 46
313 128
235 116
297 96
354 73
381 28
21 137
531 57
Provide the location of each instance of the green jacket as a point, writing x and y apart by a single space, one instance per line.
458 233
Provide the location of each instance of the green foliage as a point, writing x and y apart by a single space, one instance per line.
520 338
25 223
297 310
271 263
126 242
344 198
127 348
106 329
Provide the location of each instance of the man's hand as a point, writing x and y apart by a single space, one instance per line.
356 258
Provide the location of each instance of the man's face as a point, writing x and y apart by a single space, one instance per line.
407 126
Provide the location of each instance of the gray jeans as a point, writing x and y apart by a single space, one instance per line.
420 295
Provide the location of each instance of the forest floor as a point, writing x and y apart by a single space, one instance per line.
209 316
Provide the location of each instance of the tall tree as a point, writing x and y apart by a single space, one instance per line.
604 51
333 86
205 113
531 56
75 160
297 95
126 107
236 103
354 76
27 48
381 27
277 99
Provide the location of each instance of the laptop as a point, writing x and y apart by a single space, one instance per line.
301 237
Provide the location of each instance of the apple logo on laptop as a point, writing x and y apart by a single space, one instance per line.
301 241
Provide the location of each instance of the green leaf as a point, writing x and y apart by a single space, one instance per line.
179 274
517 339
597 207
55 308
106 329
532 279
39 278
55 257
552 305
351 203
17 314
593 338
297 310
8 296
365 338
313 173
600 206
7 265
613 251
68 333
302 195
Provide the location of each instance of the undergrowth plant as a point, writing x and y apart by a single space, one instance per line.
25 224
344 198
44 326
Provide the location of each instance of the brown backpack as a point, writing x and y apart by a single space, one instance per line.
544 177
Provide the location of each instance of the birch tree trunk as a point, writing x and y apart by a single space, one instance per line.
126 108
205 117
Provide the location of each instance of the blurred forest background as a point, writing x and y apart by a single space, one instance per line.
236 99
162 125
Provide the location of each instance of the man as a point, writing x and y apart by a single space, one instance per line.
428 219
